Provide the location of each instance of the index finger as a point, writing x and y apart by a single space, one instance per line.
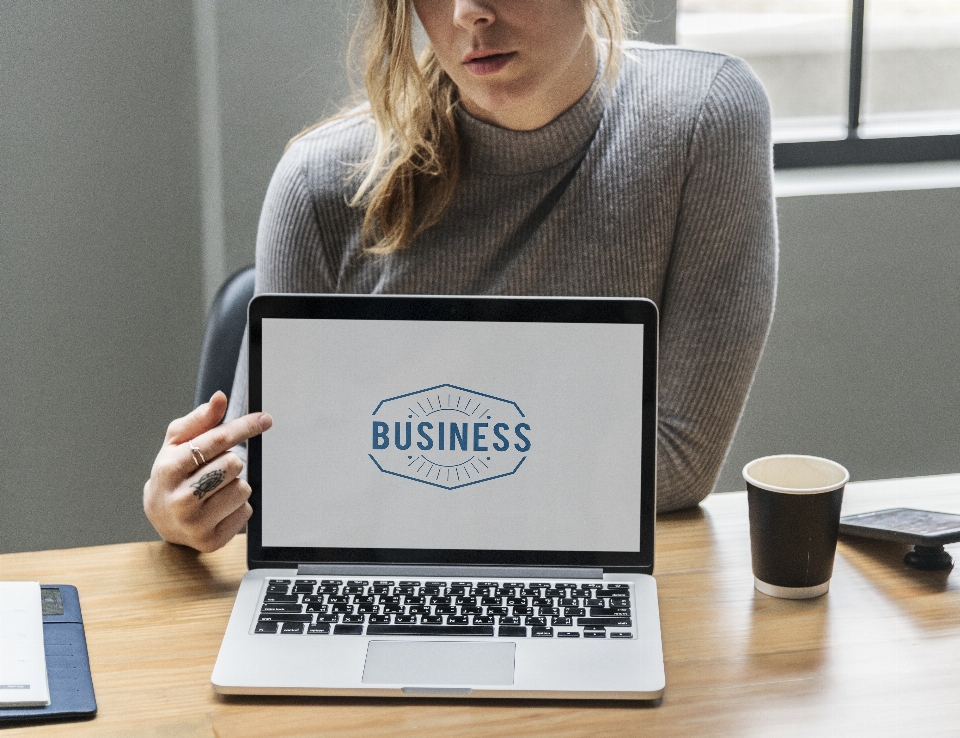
224 437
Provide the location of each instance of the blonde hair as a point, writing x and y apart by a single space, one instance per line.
411 175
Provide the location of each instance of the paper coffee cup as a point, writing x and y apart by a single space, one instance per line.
794 519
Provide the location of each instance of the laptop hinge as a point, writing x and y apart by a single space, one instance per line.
520 572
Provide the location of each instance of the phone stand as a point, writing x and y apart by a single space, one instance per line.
929 558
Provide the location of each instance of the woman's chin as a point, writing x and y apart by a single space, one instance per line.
508 110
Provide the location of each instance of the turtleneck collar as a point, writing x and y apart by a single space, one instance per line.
495 150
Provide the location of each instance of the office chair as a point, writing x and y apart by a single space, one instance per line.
226 323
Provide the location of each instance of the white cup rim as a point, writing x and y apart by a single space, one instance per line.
796 490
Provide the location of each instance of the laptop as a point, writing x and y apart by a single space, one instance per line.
456 499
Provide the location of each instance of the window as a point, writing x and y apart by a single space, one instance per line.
850 81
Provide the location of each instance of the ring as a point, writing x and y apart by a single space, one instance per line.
196 452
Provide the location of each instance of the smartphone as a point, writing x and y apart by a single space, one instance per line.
903 525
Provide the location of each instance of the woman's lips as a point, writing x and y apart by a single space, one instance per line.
489 64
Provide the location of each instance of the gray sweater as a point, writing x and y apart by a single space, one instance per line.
659 189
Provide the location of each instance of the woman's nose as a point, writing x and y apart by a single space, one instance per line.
470 13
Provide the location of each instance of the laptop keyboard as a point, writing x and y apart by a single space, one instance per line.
388 607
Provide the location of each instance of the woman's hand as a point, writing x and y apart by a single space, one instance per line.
194 496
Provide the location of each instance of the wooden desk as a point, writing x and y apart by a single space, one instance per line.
878 656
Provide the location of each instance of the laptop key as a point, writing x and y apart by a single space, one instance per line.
431 619
350 630
281 607
291 628
603 612
281 617
541 632
267 627
621 634
406 619
429 630
509 620
567 622
269 597
567 634
319 629
379 618
327 618
457 620
512 631
353 618
594 634
483 620
608 622
535 621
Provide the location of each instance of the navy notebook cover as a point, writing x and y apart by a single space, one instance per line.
68 666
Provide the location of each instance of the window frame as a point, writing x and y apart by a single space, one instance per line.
854 149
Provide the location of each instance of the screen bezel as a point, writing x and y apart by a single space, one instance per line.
490 309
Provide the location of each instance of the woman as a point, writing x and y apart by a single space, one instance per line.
522 155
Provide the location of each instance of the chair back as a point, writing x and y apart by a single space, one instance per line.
226 323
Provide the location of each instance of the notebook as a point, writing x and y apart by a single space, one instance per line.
457 498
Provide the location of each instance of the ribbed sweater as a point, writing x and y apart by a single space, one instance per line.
671 200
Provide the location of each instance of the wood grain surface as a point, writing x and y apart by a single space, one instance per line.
879 655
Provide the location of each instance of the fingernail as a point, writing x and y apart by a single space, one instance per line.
265 421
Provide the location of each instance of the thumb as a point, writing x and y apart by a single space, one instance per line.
202 419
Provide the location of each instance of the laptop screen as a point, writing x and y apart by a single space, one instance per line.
452 435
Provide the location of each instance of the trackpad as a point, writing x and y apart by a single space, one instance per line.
438 662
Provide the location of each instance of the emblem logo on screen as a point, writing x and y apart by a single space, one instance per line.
449 436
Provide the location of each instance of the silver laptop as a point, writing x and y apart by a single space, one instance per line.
456 498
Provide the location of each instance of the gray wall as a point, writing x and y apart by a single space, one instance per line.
862 361
100 291
114 112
